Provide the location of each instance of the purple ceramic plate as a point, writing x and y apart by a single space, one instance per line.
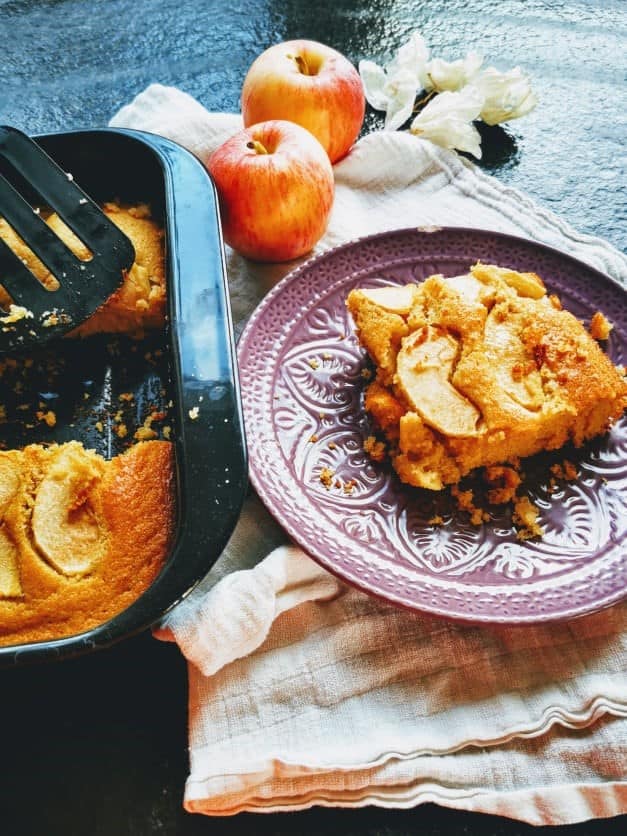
302 385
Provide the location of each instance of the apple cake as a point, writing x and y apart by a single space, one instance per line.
80 537
478 370
139 303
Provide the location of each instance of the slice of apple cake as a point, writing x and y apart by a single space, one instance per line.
480 369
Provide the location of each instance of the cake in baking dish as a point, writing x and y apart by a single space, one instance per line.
480 369
80 537
139 304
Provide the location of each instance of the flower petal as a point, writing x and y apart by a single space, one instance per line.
394 87
506 95
452 75
374 79
397 114
412 56
401 93
447 120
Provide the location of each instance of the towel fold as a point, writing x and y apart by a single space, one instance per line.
304 691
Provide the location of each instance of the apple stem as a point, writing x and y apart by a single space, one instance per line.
257 147
301 63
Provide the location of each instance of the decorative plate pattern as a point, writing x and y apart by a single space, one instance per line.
302 385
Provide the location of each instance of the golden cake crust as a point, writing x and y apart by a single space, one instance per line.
480 370
80 537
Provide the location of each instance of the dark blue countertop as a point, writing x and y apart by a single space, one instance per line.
98 745
73 63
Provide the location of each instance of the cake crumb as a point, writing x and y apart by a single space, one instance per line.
313 438
193 413
326 477
15 314
525 518
503 482
50 320
315 364
436 520
566 471
48 417
465 501
374 448
349 486
144 433
600 326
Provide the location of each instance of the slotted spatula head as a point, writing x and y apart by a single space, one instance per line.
40 314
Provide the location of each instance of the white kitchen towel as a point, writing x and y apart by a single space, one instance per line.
303 691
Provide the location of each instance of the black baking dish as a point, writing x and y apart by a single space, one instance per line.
189 370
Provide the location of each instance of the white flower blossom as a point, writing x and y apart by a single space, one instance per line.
452 75
506 95
394 94
413 56
457 93
394 87
447 120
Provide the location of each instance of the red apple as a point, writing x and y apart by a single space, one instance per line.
275 187
310 84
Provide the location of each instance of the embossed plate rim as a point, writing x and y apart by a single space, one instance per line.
507 604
